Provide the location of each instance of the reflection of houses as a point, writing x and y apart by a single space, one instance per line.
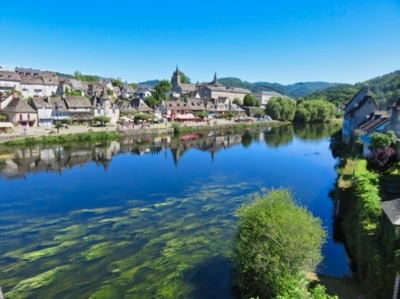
357 111
211 144
79 108
58 158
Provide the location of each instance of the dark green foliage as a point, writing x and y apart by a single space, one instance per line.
314 111
277 243
3 117
237 101
202 114
337 95
91 78
382 140
281 108
161 89
302 89
152 101
117 83
250 101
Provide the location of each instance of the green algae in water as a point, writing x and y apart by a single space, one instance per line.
140 251
97 251
107 292
26 286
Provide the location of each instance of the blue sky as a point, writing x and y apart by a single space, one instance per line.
275 41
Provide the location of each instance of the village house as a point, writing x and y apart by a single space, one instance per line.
264 96
127 91
79 108
103 106
19 112
394 123
143 92
49 110
377 122
215 90
357 111
9 81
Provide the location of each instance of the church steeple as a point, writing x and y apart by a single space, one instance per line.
176 80
215 78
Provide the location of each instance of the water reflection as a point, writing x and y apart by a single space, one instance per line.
40 158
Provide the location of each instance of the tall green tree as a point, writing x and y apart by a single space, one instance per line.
281 108
152 101
161 89
314 111
277 243
250 101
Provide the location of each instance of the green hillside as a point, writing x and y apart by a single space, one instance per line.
385 90
293 90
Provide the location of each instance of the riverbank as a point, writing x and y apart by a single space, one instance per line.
35 132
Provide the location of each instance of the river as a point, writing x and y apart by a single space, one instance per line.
154 217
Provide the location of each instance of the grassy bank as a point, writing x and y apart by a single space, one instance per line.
369 237
65 138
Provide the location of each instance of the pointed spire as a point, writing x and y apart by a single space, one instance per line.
215 78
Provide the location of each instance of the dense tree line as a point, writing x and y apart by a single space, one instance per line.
314 111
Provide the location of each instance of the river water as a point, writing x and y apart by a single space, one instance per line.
150 218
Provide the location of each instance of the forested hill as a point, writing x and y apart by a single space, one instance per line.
293 90
385 90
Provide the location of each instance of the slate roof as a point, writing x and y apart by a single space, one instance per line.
77 102
50 78
140 106
392 210
48 102
32 80
378 119
228 89
9 76
18 105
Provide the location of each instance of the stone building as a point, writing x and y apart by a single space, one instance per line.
357 111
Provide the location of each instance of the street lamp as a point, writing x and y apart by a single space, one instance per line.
58 108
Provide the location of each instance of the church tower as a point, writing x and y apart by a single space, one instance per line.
176 81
